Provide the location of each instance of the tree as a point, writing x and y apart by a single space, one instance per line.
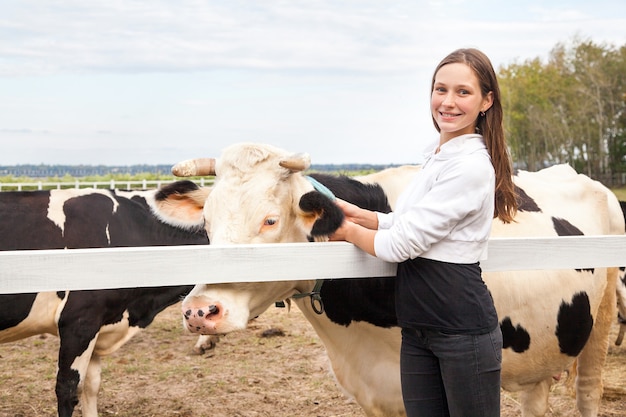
570 109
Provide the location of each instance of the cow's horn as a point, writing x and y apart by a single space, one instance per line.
194 167
296 162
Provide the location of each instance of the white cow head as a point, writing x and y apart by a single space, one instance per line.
259 196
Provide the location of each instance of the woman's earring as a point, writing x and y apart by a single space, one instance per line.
482 114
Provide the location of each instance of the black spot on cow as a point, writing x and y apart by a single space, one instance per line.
525 202
24 223
574 324
89 214
371 300
368 196
516 338
14 308
565 228
175 188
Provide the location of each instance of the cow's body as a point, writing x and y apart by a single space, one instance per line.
90 324
548 318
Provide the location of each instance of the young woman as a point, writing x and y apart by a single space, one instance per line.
451 342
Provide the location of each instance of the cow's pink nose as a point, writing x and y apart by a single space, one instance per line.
202 319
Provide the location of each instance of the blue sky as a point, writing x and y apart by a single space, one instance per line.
154 81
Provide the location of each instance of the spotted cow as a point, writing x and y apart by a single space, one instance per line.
548 318
90 324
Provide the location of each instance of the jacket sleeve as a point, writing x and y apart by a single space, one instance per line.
385 220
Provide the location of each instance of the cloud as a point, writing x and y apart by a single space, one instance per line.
23 131
56 36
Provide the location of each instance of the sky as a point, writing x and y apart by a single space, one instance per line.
123 82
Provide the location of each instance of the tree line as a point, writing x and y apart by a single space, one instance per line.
569 109
99 173
82 171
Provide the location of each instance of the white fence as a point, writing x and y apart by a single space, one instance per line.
112 184
74 269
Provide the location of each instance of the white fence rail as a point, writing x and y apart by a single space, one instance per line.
76 269
112 184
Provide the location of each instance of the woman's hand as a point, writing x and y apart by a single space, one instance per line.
358 227
355 214
350 210
342 233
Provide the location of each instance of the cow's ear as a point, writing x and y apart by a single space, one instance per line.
320 213
181 204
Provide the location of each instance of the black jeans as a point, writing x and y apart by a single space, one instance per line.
450 374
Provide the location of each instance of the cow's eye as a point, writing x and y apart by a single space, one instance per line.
270 221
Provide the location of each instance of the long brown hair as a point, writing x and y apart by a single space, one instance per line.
489 124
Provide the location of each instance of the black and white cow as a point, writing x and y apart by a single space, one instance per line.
90 324
548 318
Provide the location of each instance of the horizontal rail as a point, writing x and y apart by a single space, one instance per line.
87 269
111 185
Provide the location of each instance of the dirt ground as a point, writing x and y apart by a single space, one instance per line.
247 375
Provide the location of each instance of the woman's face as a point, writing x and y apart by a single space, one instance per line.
456 100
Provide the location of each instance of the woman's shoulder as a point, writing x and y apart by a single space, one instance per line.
473 167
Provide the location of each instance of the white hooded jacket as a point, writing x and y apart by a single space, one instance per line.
446 212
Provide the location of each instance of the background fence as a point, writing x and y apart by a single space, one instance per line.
76 269
112 184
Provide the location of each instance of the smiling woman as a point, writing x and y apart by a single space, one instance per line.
437 234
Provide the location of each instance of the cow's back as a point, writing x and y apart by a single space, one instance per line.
24 222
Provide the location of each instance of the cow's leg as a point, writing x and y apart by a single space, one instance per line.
78 336
71 375
91 386
534 401
204 343
593 356
66 388
68 378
